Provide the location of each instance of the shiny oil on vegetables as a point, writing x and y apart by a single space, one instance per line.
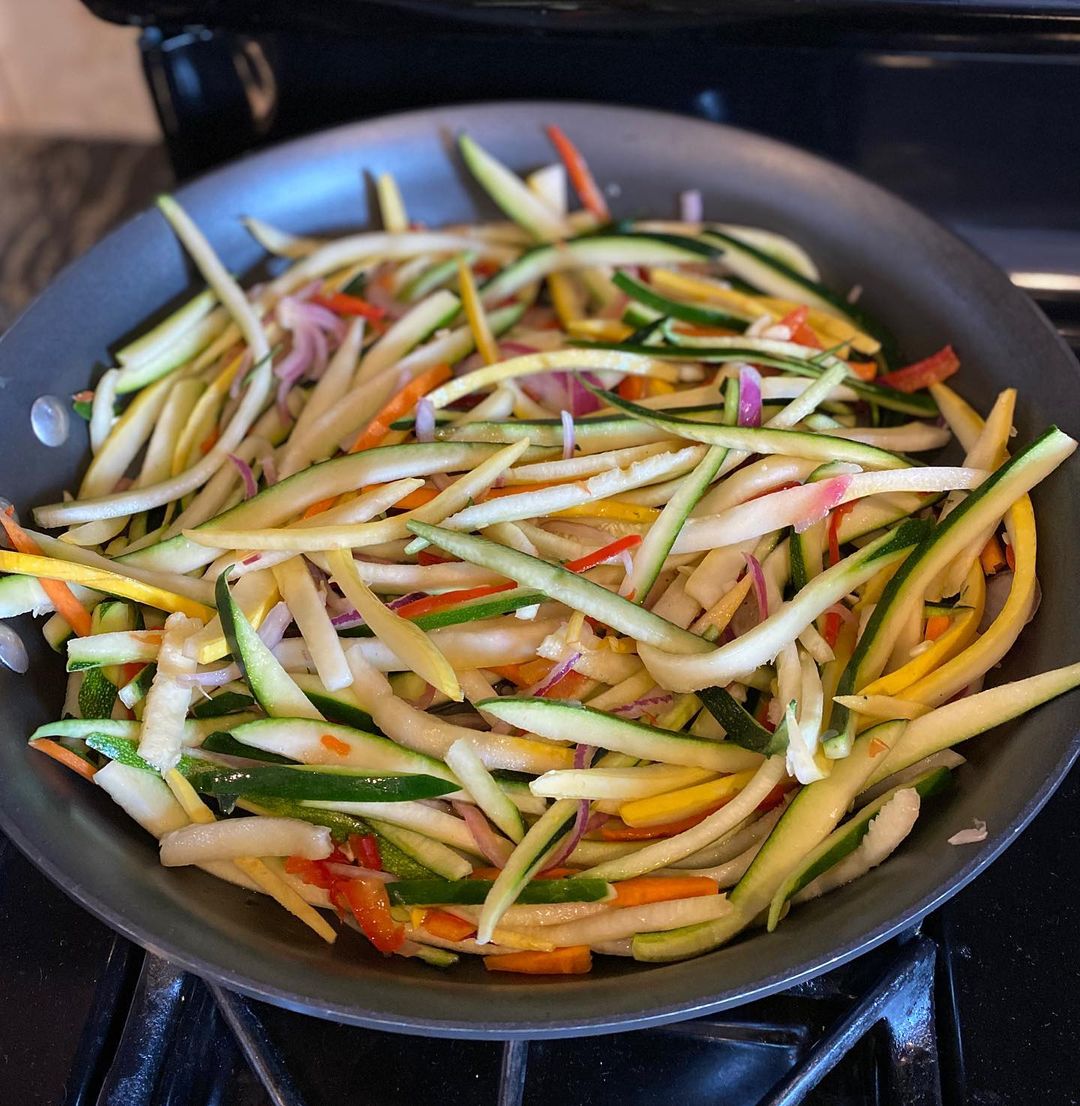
533 589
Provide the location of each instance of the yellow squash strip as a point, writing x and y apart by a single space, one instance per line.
877 708
113 583
957 637
563 360
474 313
403 637
999 637
395 220
609 508
723 610
203 419
685 803
566 298
255 594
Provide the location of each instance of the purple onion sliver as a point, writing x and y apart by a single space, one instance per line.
424 428
570 842
583 754
596 820
214 678
274 625
554 676
402 600
691 209
347 620
354 871
567 434
749 396
757 577
494 848
248 477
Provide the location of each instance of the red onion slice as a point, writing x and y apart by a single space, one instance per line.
642 706
828 494
570 842
690 206
567 434
554 676
248 477
274 625
495 848
424 428
749 396
761 593
355 871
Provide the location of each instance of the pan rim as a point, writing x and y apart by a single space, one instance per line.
121 918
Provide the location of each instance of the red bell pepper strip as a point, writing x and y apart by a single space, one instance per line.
366 850
370 906
448 598
801 333
341 303
604 553
936 368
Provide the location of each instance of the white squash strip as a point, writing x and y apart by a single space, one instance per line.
364 507
102 416
298 590
321 538
358 247
886 831
466 764
168 700
613 925
786 508
566 360
399 634
240 837
545 501
623 784
577 468
662 854
913 437
415 729
126 438
407 332
761 644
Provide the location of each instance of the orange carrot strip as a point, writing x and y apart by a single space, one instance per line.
646 889
65 756
447 926
631 387
60 595
618 831
936 626
992 556
415 390
580 176
575 960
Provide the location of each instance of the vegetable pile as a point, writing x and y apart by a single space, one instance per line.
531 589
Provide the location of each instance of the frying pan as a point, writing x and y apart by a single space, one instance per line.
926 284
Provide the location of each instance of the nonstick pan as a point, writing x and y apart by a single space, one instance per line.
927 285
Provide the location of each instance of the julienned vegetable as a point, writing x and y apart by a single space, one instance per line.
627 567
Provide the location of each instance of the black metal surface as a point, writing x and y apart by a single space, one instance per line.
946 293
923 115
754 16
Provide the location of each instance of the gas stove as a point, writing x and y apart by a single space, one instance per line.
958 107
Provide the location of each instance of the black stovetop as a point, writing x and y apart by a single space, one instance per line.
980 1005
